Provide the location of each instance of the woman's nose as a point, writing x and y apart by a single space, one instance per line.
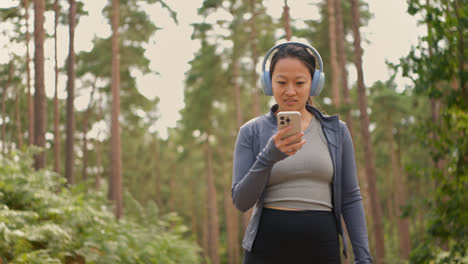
290 89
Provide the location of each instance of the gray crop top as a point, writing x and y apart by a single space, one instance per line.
303 181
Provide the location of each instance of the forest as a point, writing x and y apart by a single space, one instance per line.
98 184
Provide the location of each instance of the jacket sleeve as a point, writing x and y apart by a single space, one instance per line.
250 172
352 208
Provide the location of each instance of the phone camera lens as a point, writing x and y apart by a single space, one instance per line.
282 122
282 117
288 120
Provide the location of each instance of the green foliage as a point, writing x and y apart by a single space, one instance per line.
40 222
438 70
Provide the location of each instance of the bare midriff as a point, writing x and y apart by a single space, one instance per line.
283 208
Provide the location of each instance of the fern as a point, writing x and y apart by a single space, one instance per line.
43 223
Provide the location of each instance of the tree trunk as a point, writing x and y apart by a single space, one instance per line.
84 173
333 57
212 207
389 191
287 21
40 113
205 226
232 225
435 102
400 200
157 174
56 101
193 204
368 152
172 186
253 48
116 162
343 79
100 169
390 186
70 140
28 79
237 91
342 59
19 132
237 94
366 201
98 164
458 7
4 114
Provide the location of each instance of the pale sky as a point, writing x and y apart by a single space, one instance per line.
391 32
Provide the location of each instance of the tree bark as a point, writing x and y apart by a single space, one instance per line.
4 114
84 174
28 79
116 162
98 143
157 174
457 4
287 21
435 102
237 94
40 113
366 200
172 186
342 60
98 164
205 225
232 225
19 132
237 91
70 124
333 50
391 180
368 151
343 77
400 200
253 48
193 205
56 101
212 207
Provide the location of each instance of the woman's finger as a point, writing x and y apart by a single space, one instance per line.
294 138
283 131
279 135
296 147
293 149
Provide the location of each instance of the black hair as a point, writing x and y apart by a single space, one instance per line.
294 51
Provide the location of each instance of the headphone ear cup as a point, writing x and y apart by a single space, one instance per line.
317 83
321 83
266 83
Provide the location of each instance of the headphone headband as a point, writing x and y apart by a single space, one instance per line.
314 51
318 77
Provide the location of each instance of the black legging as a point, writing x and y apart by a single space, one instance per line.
295 237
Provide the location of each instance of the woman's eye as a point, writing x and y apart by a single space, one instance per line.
300 83
282 83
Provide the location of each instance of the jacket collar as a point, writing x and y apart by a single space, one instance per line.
327 121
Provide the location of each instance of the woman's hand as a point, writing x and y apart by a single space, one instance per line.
286 145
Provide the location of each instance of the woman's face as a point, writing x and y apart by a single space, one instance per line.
291 81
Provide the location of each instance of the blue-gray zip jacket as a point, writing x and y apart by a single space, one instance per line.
255 154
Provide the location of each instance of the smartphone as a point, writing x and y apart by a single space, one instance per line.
290 118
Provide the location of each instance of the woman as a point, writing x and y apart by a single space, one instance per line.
299 191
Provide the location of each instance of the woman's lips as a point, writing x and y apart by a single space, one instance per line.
290 102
